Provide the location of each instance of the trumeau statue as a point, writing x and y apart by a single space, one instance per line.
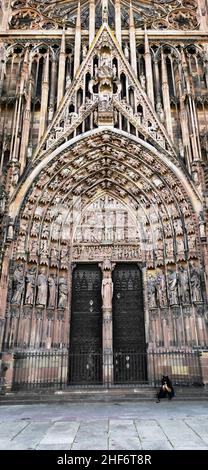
107 289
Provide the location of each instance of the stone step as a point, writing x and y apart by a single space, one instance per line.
105 395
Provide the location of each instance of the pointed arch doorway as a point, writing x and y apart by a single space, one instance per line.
109 353
107 338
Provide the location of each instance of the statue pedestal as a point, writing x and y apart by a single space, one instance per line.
107 346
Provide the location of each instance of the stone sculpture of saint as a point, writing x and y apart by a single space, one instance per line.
107 290
195 283
184 286
172 287
63 293
151 292
30 281
160 112
161 289
143 81
42 293
84 51
126 51
52 292
18 281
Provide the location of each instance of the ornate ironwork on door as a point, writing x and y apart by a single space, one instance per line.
128 323
86 325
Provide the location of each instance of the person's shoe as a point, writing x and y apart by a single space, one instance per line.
157 401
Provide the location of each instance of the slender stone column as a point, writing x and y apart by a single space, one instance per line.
26 127
157 81
6 15
77 46
166 96
107 297
202 14
44 98
194 125
53 90
61 73
2 67
148 69
205 61
18 108
91 21
118 21
183 118
132 37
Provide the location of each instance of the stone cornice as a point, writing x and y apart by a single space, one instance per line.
70 33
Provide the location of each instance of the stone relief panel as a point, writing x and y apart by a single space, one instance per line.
106 221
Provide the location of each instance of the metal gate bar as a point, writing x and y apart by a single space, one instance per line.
58 369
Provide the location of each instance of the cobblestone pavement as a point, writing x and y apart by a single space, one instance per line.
114 426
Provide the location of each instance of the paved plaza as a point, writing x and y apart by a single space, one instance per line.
114 426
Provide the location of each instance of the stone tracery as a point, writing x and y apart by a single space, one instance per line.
175 14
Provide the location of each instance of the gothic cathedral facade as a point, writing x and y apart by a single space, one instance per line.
104 176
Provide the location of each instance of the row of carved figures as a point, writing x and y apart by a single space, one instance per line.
40 289
178 286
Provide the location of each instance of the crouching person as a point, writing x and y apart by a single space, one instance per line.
166 389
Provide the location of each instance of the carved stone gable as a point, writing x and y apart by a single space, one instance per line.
97 92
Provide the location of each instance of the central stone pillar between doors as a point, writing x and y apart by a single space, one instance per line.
107 331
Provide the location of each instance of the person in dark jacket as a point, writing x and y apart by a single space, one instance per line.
166 389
